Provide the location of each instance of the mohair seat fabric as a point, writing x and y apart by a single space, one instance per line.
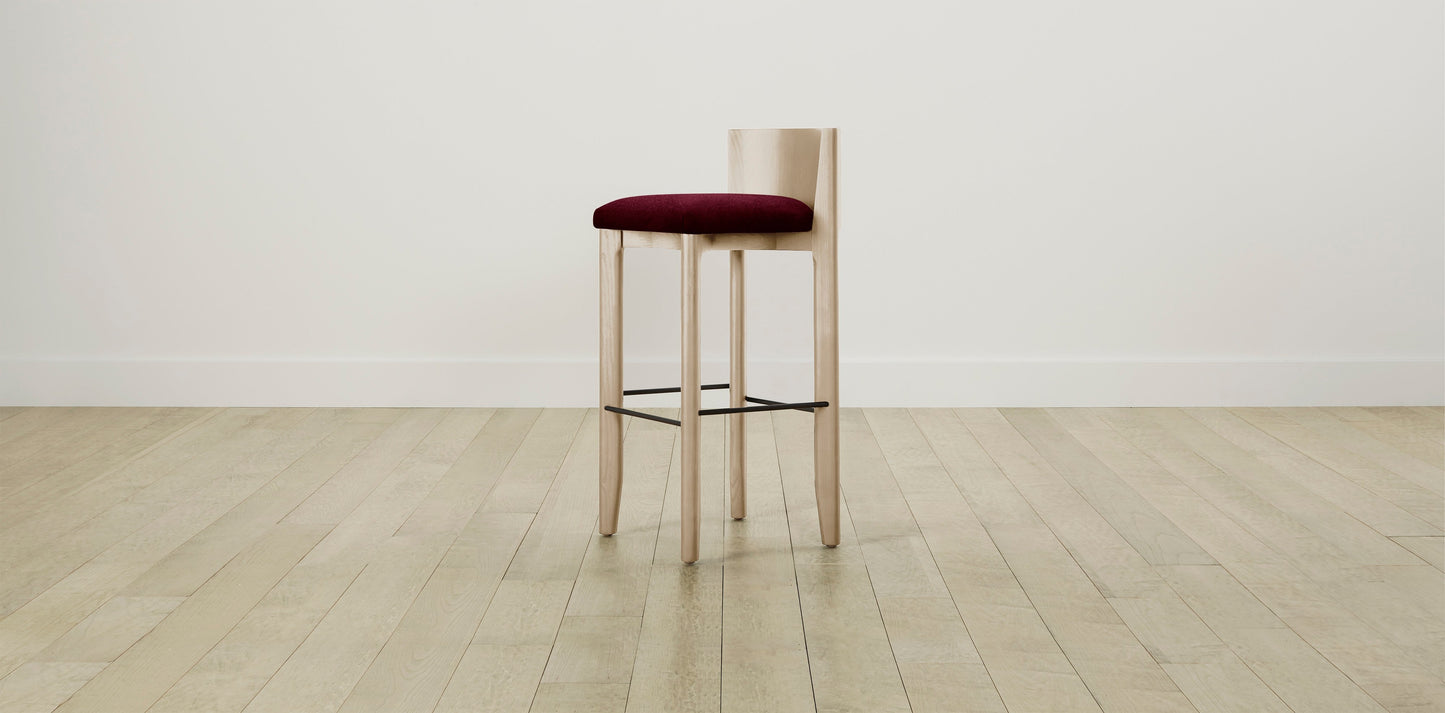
706 213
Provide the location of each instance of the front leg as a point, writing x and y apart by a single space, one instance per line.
737 391
691 402
825 388
609 467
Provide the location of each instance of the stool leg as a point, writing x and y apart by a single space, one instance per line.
737 431
825 388
609 470
691 401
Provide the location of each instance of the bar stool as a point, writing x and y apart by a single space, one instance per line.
782 195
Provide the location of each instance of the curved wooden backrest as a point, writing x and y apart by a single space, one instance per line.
798 163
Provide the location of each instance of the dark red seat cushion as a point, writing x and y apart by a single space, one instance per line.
706 213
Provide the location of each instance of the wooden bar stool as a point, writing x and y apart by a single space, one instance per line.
782 195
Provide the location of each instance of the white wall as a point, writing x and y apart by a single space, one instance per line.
301 202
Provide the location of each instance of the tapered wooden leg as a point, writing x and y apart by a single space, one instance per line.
825 388
691 401
737 430
609 471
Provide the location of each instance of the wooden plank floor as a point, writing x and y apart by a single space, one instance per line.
318 560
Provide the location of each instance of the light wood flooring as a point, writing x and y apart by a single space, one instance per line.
317 560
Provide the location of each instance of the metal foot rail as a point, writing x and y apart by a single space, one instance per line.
766 405
770 406
639 414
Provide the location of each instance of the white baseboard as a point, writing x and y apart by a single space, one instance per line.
571 383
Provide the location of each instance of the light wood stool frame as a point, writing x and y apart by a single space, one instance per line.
798 163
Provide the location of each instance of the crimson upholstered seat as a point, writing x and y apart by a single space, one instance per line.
706 214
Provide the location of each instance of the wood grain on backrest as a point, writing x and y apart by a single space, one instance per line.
779 162
798 163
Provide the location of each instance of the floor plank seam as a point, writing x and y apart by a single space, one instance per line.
792 557
1072 666
303 639
1265 541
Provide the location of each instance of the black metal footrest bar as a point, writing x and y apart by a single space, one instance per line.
774 406
671 390
801 407
766 406
639 414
